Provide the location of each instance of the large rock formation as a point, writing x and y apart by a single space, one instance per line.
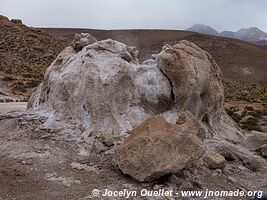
103 87
156 148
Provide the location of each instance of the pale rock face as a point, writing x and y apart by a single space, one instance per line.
105 89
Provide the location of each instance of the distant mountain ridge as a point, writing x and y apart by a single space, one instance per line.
203 29
253 34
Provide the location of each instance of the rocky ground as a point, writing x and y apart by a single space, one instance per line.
47 156
42 164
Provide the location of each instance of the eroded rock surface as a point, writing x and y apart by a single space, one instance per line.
103 87
156 148
196 80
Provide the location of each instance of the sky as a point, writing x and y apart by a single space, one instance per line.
142 14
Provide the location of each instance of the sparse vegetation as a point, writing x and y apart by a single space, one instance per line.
23 54
32 83
251 124
236 91
19 86
8 78
248 119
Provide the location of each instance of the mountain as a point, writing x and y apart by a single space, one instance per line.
252 34
229 34
203 29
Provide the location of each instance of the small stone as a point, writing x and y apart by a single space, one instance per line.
197 183
193 171
87 136
214 174
99 147
215 161
172 178
263 150
27 162
186 186
219 171
157 187
231 179
107 139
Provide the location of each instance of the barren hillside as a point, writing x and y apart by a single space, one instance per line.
238 60
25 53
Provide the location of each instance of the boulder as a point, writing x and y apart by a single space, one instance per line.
196 80
156 148
215 161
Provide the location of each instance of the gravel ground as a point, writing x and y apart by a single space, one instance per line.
39 164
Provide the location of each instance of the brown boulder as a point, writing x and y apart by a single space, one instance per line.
107 139
156 148
196 80
215 161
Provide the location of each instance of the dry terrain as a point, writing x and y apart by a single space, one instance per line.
238 60
25 53
38 163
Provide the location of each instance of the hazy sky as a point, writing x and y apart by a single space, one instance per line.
118 14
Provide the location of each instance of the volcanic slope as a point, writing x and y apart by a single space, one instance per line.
239 60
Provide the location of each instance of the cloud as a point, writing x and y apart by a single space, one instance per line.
122 14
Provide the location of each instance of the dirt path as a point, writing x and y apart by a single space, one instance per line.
13 106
